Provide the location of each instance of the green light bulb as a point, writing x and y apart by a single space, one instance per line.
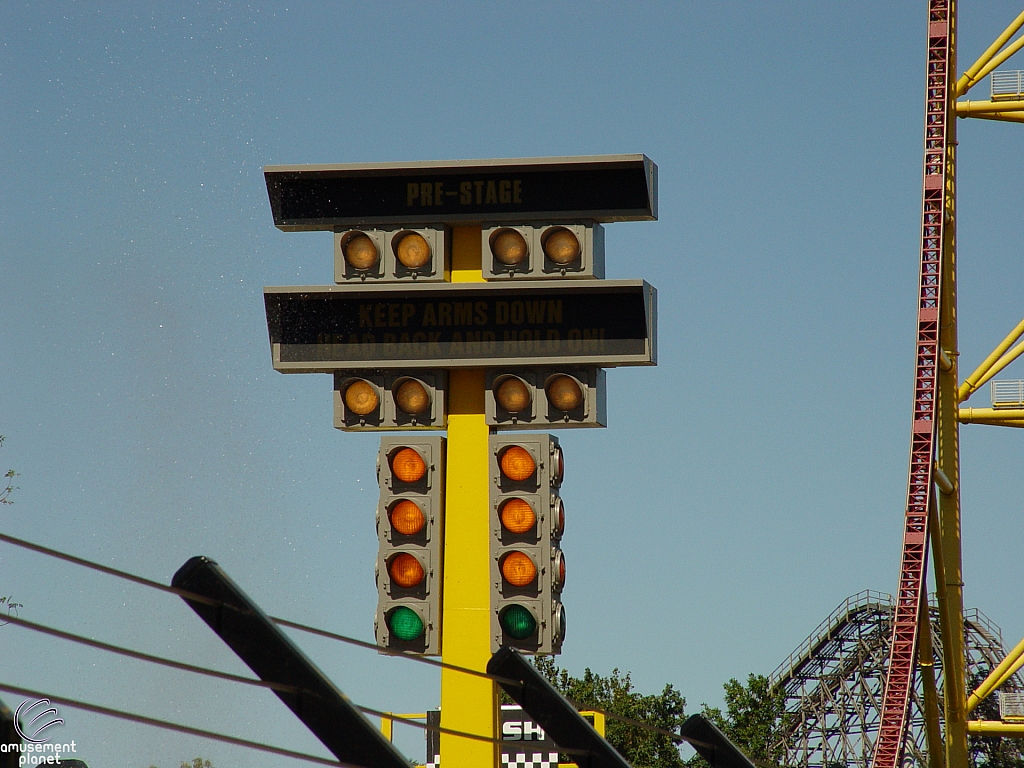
518 622
405 624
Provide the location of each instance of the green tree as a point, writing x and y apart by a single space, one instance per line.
614 694
197 762
754 720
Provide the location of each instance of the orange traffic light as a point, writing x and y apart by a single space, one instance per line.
561 246
360 251
518 516
518 569
517 464
361 398
405 570
413 250
407 518
564 393
411 397
509 247
408 466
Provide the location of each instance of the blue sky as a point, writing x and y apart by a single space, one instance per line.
744 487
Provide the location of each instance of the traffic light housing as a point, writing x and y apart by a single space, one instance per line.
545 398
376 400
527 519
393 254
410 526
538 251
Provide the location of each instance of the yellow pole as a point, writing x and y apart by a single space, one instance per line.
996 61
986 415
966 108
926 665
999 364
468 703
995 728
947 435
1006 117
970 383
971 76
1013 661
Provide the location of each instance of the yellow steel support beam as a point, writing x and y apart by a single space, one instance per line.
926 664
974 72
1014 660
947 436
468 703
966 108
1001 363
989 415
995 728
1006 117
971 382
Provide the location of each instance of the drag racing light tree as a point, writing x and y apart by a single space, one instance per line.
527 564
410 525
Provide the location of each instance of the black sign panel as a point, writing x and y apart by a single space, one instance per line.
602 188
462 325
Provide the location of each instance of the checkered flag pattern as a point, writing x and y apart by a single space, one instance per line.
535 760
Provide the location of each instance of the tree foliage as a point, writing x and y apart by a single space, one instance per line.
615 694
754 720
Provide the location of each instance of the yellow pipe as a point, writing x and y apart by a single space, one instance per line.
926 668
1015 46
970 383
969 107
995 728
1013 661
1001 363
970 77
984 415
1008 117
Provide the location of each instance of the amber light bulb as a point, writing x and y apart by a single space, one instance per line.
360 252
413 250
513 395
412 398
509 248
518 569
562 247
408 465
517 463
407 518
361 398
564 393
518 516
405 570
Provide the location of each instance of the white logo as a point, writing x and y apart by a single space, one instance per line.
30 732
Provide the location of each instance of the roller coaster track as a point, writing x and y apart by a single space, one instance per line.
936 272
832 684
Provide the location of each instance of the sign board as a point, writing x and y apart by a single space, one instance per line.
600 188
524 744
1011 705
462 325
